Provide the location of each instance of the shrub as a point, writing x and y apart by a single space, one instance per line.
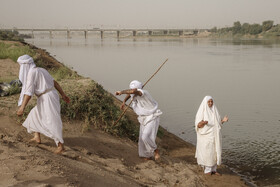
96 107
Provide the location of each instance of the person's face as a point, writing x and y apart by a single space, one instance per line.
210 103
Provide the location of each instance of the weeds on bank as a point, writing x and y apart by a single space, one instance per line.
63 73
96 107
13 51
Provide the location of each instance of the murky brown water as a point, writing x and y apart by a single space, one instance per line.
242 76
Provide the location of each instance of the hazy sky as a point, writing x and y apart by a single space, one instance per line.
135 13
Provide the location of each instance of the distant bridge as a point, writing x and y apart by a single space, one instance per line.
150 32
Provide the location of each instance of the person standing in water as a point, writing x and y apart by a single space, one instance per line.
208 126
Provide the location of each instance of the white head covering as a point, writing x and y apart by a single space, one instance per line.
26 63
206 113
135 84
214 123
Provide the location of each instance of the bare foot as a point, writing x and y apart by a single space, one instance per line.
210 173
156 154
36 139
60 148
216 173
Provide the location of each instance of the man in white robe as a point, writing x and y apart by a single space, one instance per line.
44 118
148 116
208 125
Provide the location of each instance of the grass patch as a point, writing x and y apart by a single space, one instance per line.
63 73
13 51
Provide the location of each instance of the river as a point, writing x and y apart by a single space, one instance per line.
241 75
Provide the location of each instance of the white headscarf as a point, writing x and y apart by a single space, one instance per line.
208 114
214 123
135 84
26 63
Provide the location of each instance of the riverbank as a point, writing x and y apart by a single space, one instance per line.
92 157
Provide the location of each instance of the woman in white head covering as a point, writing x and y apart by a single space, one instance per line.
44 118
26 63
148 116
208 125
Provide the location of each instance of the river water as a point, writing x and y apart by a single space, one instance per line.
241 75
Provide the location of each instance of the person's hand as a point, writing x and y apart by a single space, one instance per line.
66 99
225 119
123 106
205 122
118 93
20 111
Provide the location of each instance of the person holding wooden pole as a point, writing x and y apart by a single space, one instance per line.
148 116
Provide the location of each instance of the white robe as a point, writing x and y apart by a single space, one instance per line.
148 116
45 116
208 146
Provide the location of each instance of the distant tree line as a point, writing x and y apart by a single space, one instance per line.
267 28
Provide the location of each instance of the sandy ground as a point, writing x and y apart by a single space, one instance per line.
93 158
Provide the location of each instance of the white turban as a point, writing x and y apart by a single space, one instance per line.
135 84
26 63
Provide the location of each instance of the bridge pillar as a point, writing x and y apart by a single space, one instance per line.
118 34
68 33
181 32
32 33
134 33
150 33
51 34
102 34
85 34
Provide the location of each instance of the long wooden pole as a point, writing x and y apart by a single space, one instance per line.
142 87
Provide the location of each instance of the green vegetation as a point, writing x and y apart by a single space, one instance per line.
62 73
10 36
267 29
95 106
13 51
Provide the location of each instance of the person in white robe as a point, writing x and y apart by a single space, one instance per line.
45 117
208 128
148 116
